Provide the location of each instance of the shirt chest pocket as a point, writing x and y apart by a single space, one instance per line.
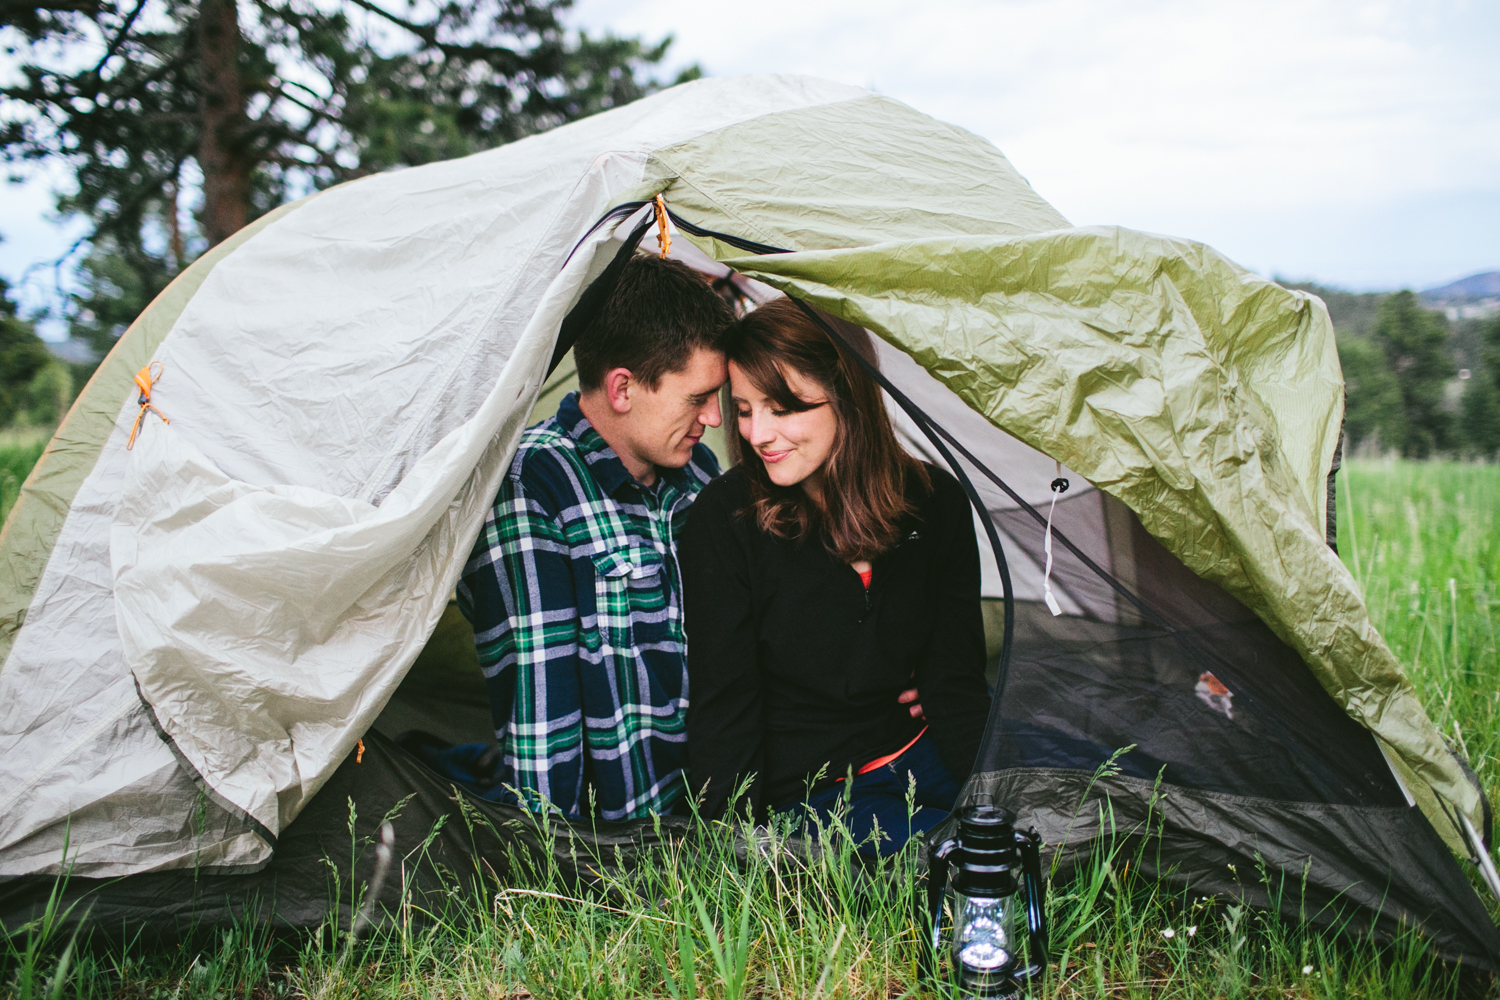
630 596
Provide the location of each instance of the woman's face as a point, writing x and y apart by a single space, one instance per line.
794 445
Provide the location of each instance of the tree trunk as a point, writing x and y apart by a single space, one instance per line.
221 156
174 224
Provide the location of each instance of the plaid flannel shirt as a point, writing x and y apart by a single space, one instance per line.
575 596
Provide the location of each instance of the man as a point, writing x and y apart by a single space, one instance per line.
573 587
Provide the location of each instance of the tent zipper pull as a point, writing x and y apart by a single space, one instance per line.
1059 487
664 227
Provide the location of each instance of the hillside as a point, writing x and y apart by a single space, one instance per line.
1471 289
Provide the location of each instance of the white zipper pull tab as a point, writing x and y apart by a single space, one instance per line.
1059 487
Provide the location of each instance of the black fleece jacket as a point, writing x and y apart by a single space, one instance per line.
794 668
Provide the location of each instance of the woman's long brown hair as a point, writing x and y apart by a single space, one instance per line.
865 476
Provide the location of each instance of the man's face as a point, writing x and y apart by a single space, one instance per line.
666 422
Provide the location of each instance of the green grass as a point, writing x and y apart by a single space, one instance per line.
695 923
698 922
1421 538
19 450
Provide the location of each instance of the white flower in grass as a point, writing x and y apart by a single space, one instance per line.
1193 930
1307 970
1169 933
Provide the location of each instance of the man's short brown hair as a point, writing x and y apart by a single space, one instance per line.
660 312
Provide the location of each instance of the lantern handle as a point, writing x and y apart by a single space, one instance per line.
939 855
1030 845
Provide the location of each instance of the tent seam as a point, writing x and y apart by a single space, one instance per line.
679 177
1227 798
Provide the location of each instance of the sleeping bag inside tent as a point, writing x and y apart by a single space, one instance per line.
214 628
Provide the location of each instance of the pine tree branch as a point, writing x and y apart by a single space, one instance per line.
322 160
426 32
319 112
119 39
510 62
68 6
111 223
303 87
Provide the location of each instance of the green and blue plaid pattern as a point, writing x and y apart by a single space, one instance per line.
575 596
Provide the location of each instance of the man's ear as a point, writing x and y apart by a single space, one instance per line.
617 385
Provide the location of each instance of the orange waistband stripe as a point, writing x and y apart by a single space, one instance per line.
888 758
883 761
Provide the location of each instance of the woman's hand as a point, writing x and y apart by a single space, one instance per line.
912 698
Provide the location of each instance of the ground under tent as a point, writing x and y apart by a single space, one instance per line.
205 626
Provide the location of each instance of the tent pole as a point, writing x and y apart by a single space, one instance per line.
596 294
1481 855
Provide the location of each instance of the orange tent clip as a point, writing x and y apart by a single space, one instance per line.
664 232
144 380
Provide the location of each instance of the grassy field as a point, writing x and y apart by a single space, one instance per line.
1420 538
19 450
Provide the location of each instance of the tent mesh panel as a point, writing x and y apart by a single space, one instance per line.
1202 689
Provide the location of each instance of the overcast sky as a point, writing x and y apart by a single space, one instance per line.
1353 143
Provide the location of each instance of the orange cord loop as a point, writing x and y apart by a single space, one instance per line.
144 380
663 225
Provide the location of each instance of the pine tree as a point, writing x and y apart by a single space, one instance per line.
1480 415
182 120
1415 342
1372 399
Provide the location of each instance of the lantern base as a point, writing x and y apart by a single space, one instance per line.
974 984
982 984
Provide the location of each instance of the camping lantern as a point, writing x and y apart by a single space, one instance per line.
997 936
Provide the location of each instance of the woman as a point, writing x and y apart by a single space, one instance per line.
822 575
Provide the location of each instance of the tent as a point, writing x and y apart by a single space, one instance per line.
208 623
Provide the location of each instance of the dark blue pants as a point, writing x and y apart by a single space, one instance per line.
879 799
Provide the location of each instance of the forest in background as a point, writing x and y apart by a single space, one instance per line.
1415 382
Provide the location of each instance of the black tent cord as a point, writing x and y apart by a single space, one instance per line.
1104 574
598 292
625 209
